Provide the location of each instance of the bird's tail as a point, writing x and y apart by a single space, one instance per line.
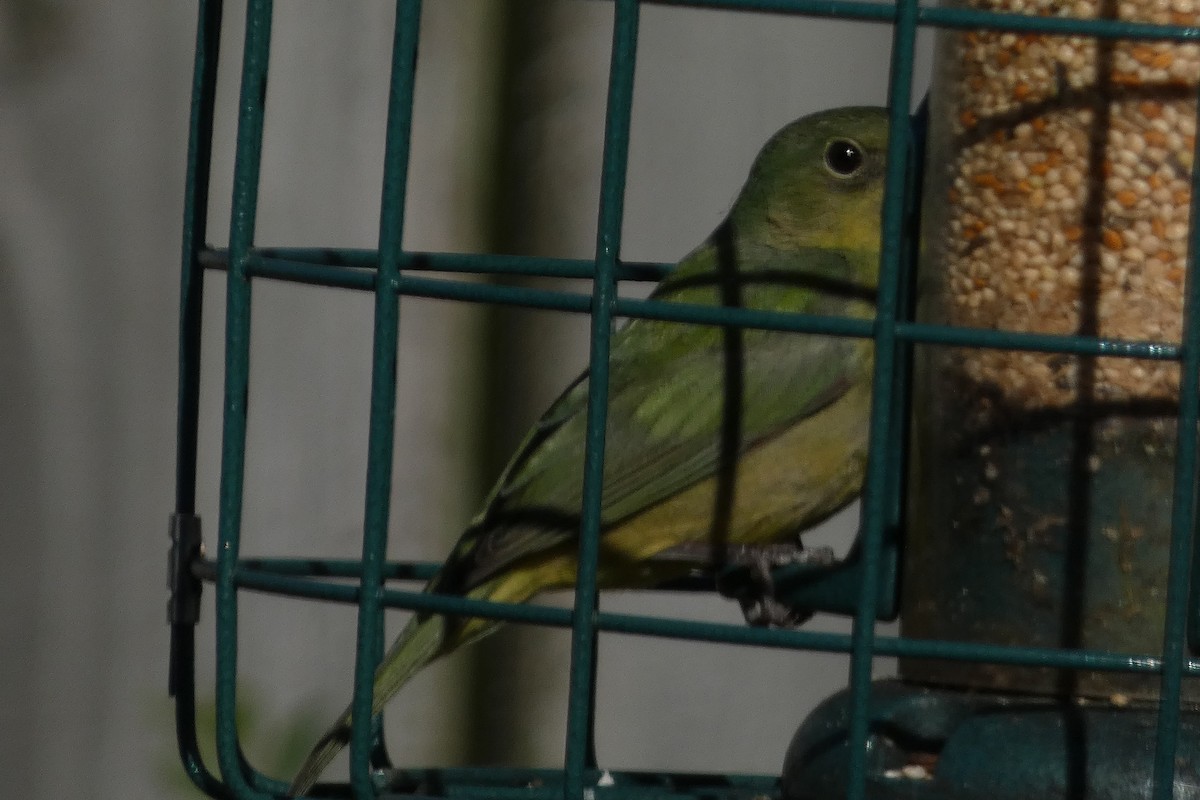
421 641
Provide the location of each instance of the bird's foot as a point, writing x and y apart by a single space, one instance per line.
764 611
757 595
760 607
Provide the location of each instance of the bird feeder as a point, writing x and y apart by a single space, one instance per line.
1050 483
1057 205
1043 502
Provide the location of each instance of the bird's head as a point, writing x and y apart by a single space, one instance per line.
818 183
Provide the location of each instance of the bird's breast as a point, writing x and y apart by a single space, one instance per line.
780 487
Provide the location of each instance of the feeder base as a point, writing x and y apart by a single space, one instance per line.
952 744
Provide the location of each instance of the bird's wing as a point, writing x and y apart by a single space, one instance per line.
683 399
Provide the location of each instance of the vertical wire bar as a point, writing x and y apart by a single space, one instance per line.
580 710
237 368
901 398
383 390
195 231
182 666
876 504
887 602
1183 518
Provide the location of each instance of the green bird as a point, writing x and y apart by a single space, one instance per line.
722 444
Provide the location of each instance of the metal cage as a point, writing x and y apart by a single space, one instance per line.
868 591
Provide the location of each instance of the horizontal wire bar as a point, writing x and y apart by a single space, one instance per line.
480 263
254 579
554 790
473 292
351 568
742 317
545 792
887 645
341 568
313 274
924 333
957 18
453 778
351 273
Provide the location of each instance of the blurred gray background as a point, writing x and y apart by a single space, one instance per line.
506 150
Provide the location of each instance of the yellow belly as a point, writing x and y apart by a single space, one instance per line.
783 487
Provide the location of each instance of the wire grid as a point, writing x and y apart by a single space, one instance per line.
388 273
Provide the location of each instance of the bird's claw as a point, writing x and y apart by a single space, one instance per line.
760 607
757 596
765 611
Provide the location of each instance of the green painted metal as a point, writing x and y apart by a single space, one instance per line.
277 576
877 507
955 18
547 784
938 744
1012 569
248 156
468 262
356 269
366 730
182 675
865 586
1183 524
581 696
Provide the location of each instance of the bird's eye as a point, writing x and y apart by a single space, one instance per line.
844 157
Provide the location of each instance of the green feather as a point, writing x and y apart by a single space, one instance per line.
778 418
418 644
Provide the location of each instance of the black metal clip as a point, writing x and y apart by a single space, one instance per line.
183 606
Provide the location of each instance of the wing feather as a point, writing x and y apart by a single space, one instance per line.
682 399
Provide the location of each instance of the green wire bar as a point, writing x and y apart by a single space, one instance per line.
365 727
955 18
355 271
275 576
361 277
581 692
1183 523
876 505
247 162
390 272
182 677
